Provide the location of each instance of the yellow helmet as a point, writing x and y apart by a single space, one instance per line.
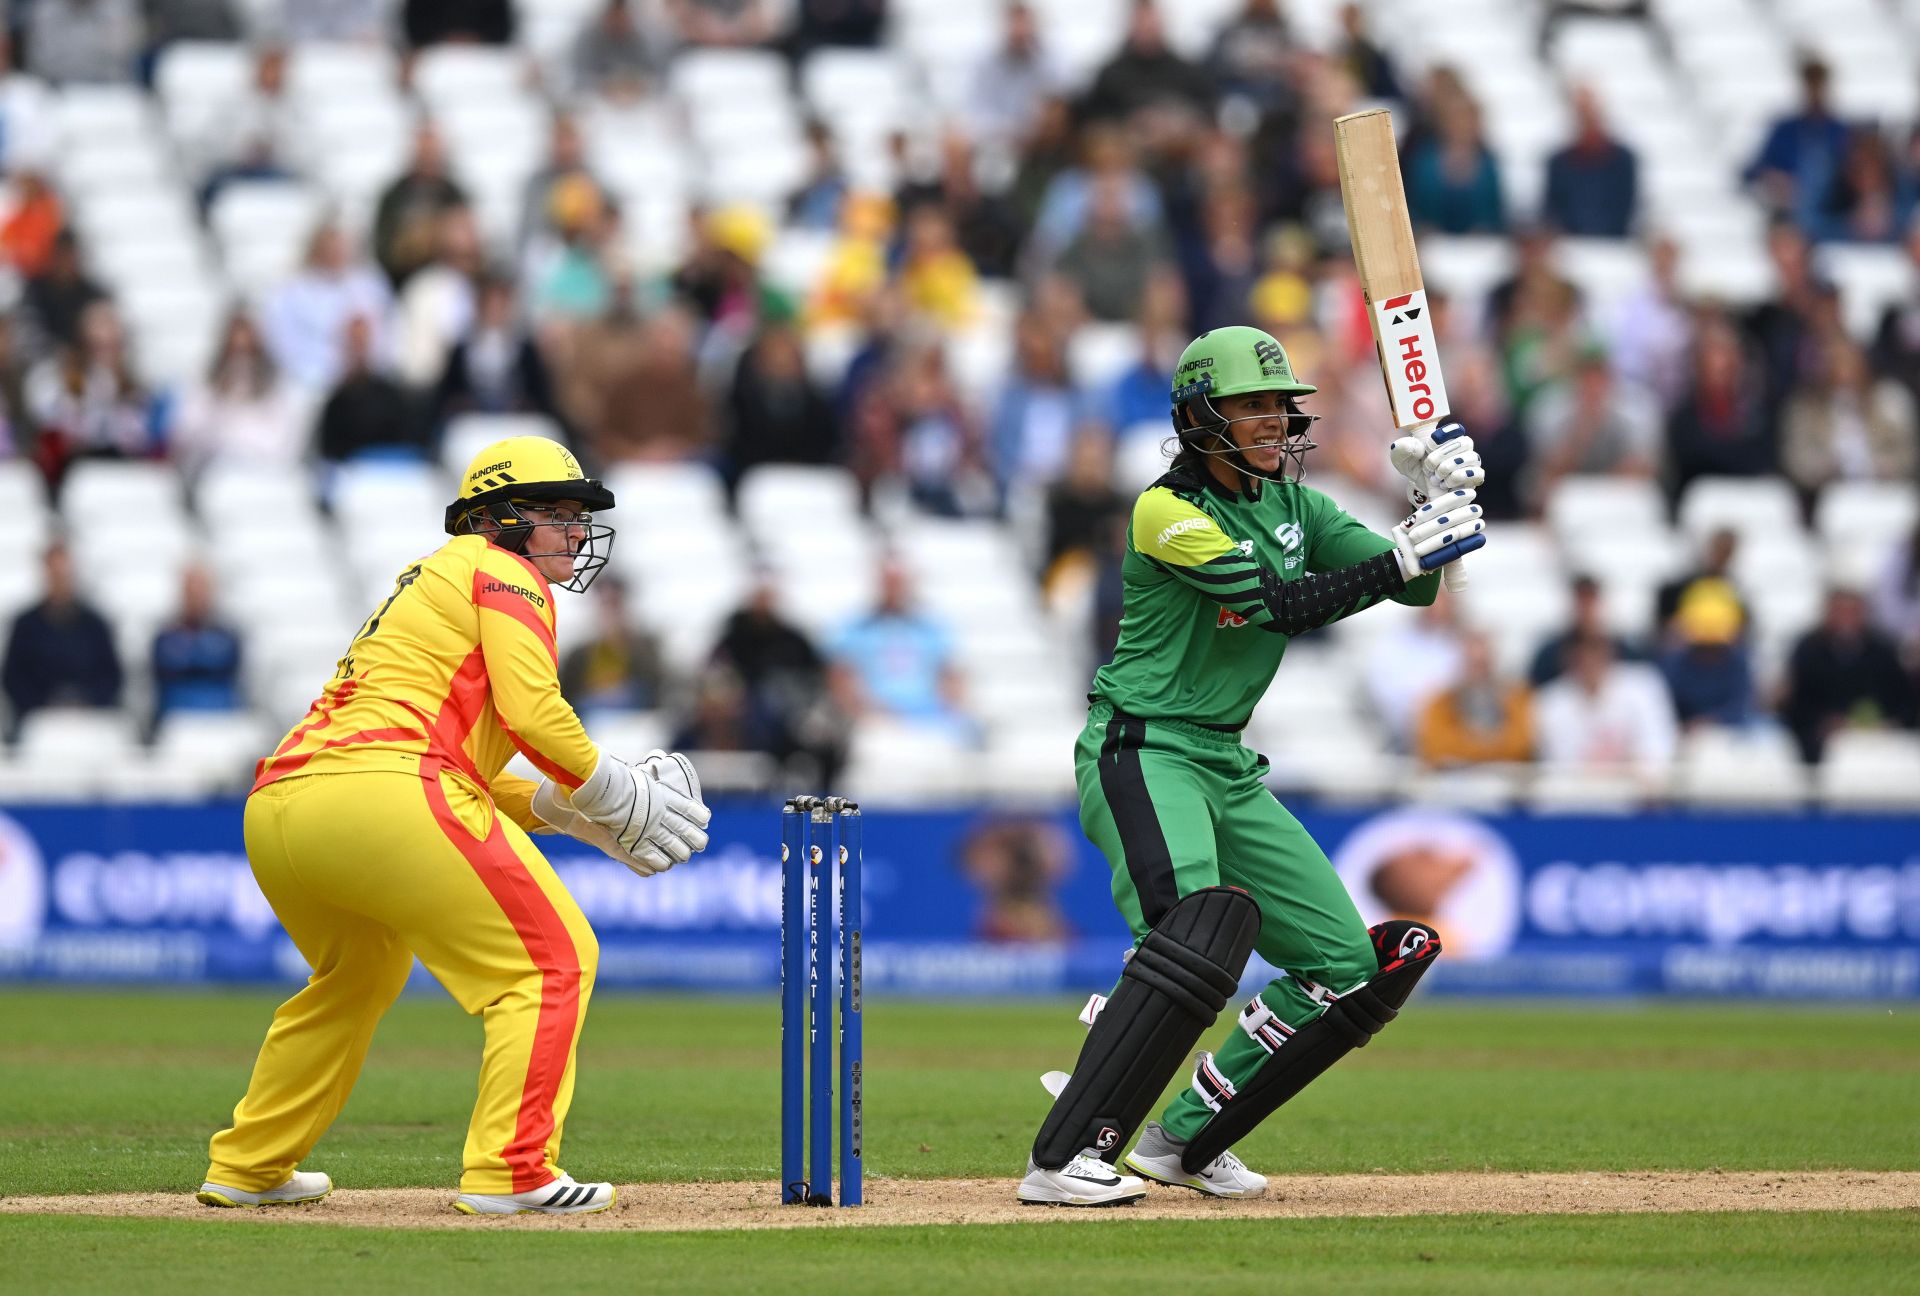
531 470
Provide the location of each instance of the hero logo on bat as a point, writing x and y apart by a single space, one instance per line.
1406 343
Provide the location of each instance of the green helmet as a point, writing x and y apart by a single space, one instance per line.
1227 362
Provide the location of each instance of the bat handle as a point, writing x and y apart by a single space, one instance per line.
1455 575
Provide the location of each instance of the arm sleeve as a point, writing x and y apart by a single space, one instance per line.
516 637
513 796
1180 539
1337 539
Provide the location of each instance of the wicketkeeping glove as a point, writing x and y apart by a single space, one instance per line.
1442 460
645 859
643 811
1438 532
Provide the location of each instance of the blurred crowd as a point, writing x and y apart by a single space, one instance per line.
1166 192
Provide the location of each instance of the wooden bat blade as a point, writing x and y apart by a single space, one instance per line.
1381 228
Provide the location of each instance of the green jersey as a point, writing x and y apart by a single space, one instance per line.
1217 582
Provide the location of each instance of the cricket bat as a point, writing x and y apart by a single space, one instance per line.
1389 266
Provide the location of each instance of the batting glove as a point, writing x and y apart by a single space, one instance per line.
1439 532
1440 461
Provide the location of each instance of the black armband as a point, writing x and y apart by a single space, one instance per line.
1297 606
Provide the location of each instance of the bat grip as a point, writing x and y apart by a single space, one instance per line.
1454 574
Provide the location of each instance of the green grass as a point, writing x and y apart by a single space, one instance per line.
1687 1255
119 1091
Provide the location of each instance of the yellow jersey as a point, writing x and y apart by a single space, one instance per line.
456 671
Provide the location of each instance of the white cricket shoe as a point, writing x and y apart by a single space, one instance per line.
564 1196
1084 1181
301 1186
1157 1157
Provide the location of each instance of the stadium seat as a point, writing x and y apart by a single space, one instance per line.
1754 507
76 739
894 763
1870 770
1861 522
217 749
1741 768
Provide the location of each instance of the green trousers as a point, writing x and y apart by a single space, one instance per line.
1176 807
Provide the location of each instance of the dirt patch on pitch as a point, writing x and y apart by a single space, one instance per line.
661 1207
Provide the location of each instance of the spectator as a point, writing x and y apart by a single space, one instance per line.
984 224
1046 154
612 56
1651 332
60 651
1409 664
195 20
1592 183
570 279
456 22
242 410
561 189
1605 715
1452 178
1082 504
588 356
723 22
86 401
1588 621
83 40
1363 58
495 368
648 405
1480 717
406 221
719 717
1896 345
1896 601
1785 325
196 657
1870 199
936 277
1111 261
1714 567
1848 425
720 278
1107 162
304 319
816 204
1223 265
1252 59
1707 666
257 160
57 296
853 24
776 414
436 305
33 223
368 412
28 129
1844 674
620 668
1146 76
898 662
16 427
1720 426
301 22
1800 159
1012 86
1033 425
785 679
1137 400
259 125
1595 424
912 430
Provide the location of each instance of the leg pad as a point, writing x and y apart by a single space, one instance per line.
1296 1058
1179 978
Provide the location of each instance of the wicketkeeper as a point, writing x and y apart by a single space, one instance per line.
383 827
1228 557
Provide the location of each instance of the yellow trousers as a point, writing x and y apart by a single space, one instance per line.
367 870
